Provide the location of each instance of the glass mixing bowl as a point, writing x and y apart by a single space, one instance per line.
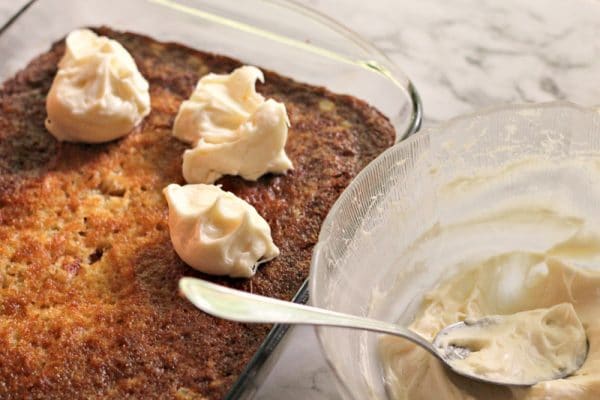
356 268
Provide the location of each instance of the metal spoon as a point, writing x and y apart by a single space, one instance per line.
241 306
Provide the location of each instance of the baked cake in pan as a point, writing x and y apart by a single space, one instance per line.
88 276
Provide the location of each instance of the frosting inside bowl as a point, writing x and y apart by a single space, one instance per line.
520 238
528 346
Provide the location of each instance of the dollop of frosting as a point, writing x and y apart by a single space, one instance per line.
216 232
98 93
234 130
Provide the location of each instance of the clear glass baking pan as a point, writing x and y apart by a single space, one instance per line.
275 34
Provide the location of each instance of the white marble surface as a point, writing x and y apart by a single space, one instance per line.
462 55
466 54
8 8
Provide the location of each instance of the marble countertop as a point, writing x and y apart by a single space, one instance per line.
462 55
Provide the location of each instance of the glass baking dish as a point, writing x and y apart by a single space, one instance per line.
275 34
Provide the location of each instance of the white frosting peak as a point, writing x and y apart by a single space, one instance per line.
216 232
234 130
98 93
218 106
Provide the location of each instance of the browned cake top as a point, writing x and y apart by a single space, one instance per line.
88 276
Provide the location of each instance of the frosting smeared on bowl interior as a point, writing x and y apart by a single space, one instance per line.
510 254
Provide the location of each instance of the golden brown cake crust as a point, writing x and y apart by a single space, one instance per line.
88 299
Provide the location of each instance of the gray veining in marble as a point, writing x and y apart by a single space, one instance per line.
9 8
462 55
467 54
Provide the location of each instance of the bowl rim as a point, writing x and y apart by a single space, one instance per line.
344 198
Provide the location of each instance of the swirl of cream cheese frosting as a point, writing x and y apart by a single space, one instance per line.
234 130
98 93
216 232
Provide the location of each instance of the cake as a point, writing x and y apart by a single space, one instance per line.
89 306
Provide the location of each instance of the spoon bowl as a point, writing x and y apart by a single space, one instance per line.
451 353
236 305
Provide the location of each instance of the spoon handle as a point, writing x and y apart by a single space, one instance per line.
240 306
